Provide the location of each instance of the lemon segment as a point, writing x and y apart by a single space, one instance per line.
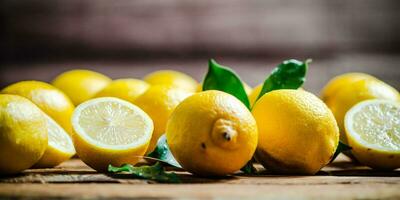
373 131
110 131
60 146
23 134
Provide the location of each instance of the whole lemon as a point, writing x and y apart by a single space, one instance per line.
212 133
172 78
159 102
297 132
126 89
341 81
355 91
246 87
23 134
48 98
81 85
255 92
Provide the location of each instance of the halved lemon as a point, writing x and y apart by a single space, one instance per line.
109 130
373 131
60 146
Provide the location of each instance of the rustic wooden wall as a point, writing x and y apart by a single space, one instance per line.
152 28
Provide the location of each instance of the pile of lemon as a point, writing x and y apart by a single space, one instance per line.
107 121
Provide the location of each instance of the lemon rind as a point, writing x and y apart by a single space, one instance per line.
71 150
79 130
352 133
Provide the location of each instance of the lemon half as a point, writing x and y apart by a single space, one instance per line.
110 131
373 131
60 146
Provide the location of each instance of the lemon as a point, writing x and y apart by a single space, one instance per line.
297 132
159 102
126 89
48 98
247 88
109 130
23 134
373 131
172 78
254 94
60 147
357 91
81 85
212 133
341 81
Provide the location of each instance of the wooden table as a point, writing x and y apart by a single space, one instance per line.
73 179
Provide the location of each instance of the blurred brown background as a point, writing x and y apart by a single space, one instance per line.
125 38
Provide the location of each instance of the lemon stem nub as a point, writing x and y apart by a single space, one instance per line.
224 134
227 136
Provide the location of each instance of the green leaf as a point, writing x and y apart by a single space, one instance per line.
249 168
340 148
290 74
162 152
155 172
224 79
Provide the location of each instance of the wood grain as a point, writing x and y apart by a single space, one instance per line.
73 179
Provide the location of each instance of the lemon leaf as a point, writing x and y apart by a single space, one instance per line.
163 153
290 74
340 148
225 79
249 168
155 172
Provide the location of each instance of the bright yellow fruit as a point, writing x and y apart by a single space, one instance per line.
355 92
247 88
109 130
126 89
23 134
373 131
172 78
339 82
212 133
297 132
158 102
48 98
255 92
81 85
60 147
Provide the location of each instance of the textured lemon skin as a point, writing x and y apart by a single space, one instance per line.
341 81
298 134
48 98
159 102
247 88
23 134
172 78
99 158
194 139
126 89
375 158
81 85
254 94
355 91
